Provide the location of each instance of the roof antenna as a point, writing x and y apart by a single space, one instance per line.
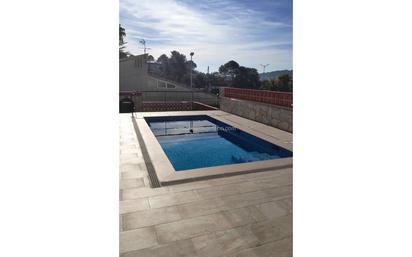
264 66
143 42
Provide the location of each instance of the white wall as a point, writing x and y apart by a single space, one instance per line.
133 73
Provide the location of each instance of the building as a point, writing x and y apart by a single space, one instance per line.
136 74
140 81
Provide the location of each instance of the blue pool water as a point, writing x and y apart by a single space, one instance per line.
200 141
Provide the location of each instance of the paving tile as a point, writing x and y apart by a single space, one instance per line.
173 199
199 208
135 193
237 217
282 180
256 213
126 206
188 228
241 200
128 167
287 204
129 150
131 183
227 180
133 166
279 191
127 142
188 186
133 174
128 156
268 174
216 191
183 248
150 217
274 229
240 216
137 239
129 147
248 186
207 245
209 206
146 181
147 252
281 248
130 161
269 210
236 239
197 226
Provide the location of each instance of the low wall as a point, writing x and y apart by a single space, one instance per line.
163 107
174 106
203 107
262 96
273 115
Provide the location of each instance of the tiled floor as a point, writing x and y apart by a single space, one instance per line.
240 216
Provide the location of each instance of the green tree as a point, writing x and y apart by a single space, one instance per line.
122 43
190 65
177 66
216 80
200 80
150 58
266 85
164 64
247 78
230 68
285 83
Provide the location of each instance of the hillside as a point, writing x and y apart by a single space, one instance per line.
275 74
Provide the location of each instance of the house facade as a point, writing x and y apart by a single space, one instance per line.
133 73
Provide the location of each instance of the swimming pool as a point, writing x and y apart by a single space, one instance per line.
200 141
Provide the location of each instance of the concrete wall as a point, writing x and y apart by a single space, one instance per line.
133 73
134 76
273 115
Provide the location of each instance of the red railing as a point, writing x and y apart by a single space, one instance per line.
263 96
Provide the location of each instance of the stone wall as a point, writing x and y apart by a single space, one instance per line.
273 115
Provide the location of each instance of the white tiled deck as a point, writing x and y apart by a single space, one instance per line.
240 216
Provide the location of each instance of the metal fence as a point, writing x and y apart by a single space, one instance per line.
180 96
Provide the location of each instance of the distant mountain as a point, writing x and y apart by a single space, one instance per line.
275 74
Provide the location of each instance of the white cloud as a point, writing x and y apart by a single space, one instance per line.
229 32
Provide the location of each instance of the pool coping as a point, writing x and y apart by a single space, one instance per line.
167 175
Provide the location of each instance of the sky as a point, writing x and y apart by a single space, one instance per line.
250 32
